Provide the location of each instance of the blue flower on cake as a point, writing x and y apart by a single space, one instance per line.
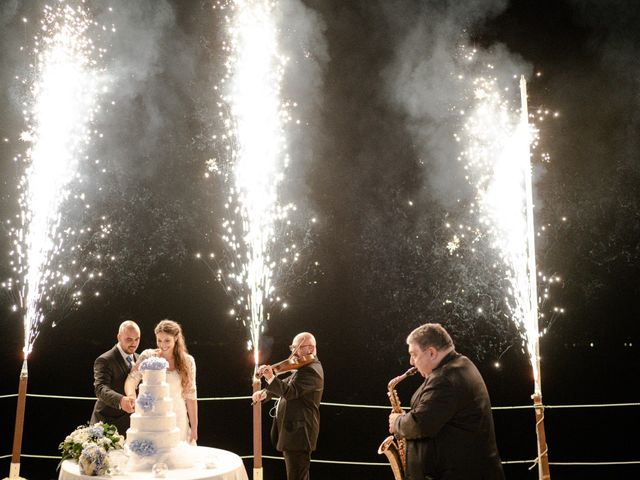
146 402
154 363
144 448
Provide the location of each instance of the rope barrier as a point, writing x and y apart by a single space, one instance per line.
59 397
376 464
207 399
27 455
353 405
341 405
632 462
595 405
315 460
533 461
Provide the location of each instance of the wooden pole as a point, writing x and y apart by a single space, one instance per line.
257 434
543 451
14 470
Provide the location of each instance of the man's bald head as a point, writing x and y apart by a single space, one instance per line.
303 344
129 336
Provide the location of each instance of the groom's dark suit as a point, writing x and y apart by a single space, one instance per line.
110 371
297 424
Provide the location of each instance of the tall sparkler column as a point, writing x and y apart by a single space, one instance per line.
257 434
252 93
533 327
58 117
14 471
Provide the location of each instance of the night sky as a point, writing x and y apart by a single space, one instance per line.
373 160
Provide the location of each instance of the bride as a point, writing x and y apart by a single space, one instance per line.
181 377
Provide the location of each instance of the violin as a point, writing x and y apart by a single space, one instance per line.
291 363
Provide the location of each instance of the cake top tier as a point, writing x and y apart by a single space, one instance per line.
154 363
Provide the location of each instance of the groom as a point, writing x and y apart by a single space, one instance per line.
110 371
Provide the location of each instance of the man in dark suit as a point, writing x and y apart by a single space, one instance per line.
110 371
449 430
297 424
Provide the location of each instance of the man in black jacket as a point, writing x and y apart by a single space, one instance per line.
449 430
297 423
110 370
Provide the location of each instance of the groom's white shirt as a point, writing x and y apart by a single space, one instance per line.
124 354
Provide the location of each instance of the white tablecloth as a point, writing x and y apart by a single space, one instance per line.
227 466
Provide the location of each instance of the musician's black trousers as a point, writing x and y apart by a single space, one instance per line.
297 463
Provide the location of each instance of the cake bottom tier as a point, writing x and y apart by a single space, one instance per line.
160 440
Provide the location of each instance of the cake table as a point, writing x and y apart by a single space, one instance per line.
227 466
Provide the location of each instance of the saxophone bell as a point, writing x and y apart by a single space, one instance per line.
395 448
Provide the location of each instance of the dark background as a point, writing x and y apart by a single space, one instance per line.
372 82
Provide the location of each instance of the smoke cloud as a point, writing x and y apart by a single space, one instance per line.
151 64
303 41
421 80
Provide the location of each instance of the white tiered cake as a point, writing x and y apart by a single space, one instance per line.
153 431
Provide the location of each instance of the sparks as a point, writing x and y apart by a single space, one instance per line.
497 159
59 115
256 115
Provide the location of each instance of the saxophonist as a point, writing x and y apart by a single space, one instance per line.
449 430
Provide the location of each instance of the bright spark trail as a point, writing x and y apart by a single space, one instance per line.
497 160
255 129
59 116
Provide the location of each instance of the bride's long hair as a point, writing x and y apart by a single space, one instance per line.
179 351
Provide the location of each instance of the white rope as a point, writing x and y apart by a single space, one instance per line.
534 461
345 405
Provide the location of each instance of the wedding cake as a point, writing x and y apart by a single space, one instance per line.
153 432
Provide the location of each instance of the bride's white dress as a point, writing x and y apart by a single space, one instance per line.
179 407
175 389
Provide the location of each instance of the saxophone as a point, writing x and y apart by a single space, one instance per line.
395 448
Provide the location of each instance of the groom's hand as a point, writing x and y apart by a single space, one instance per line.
128 404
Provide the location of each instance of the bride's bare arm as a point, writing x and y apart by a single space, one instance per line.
135 376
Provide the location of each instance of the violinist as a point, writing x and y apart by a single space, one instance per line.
297 422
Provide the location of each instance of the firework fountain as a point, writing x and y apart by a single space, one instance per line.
255 125
498 162
531 311
59 114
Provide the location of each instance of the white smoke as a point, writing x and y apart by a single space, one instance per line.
302 39
422 80
151 62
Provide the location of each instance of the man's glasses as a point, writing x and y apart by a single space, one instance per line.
293 348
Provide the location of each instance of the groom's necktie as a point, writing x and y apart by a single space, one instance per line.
129 361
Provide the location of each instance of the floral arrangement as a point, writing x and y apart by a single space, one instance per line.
154 363
93 460
146 401
89 444
144 448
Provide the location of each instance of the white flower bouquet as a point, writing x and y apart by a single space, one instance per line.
89 444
